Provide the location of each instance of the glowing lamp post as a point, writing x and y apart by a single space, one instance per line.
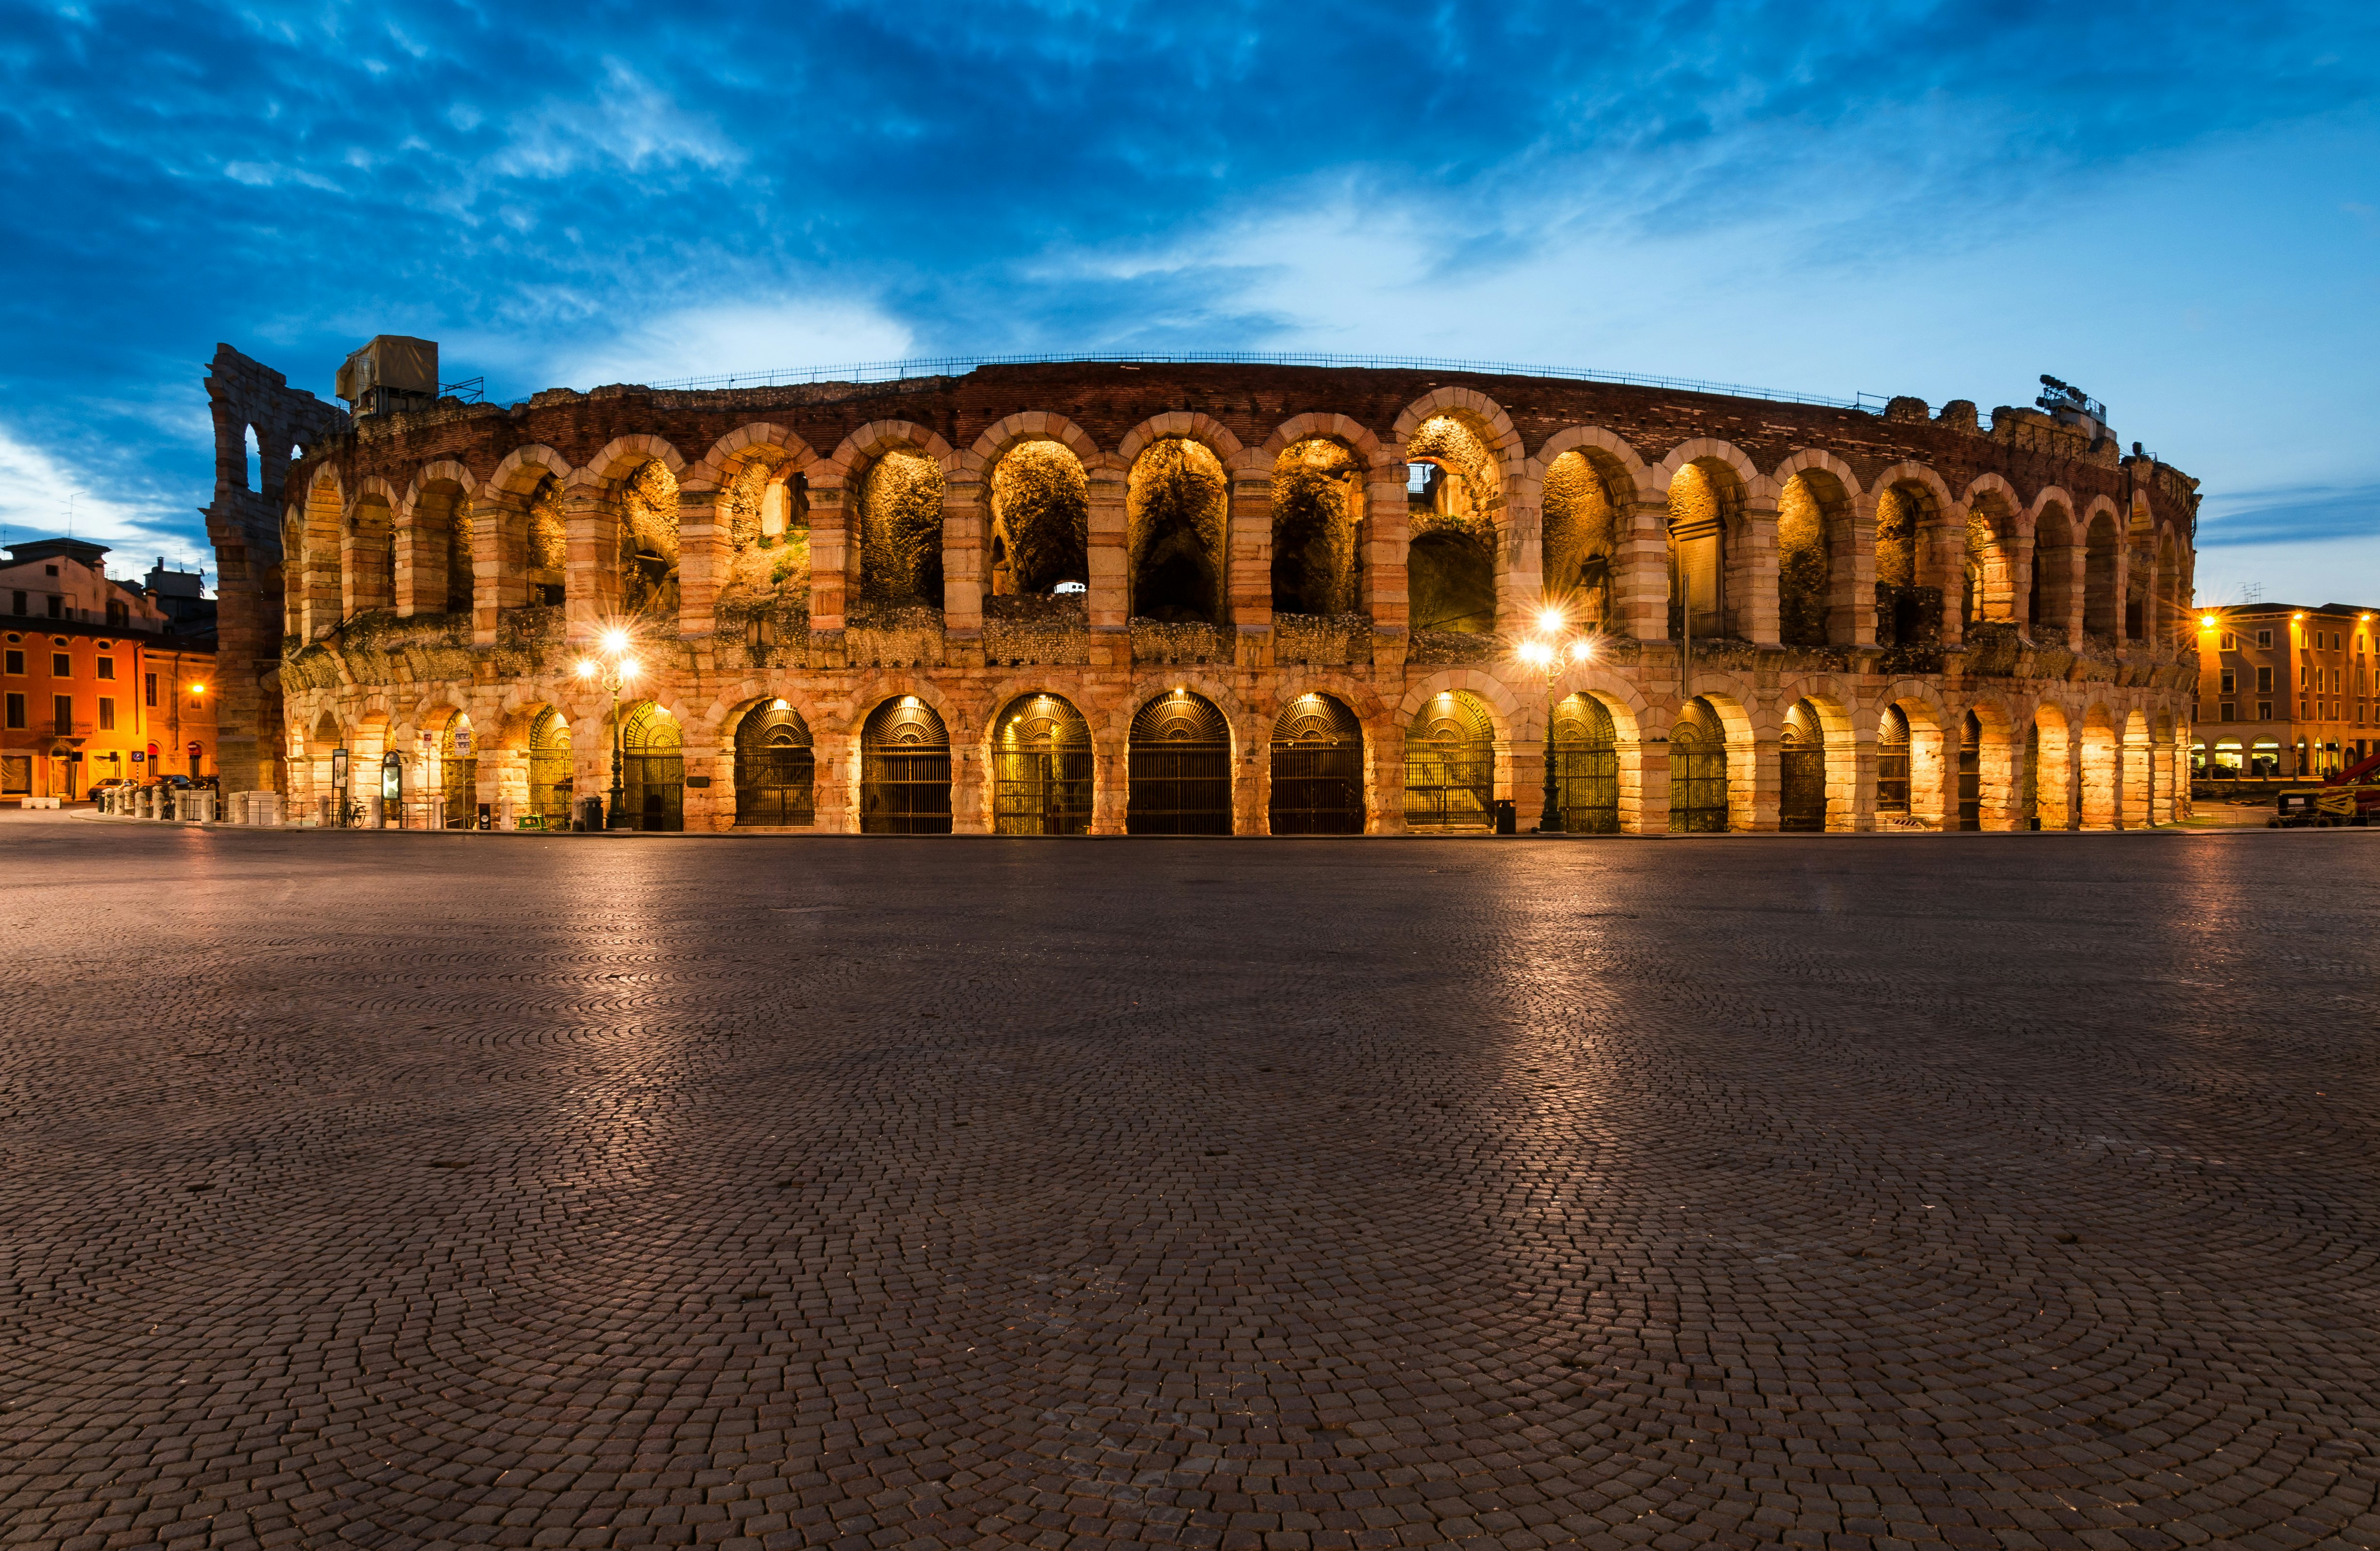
1551 649
614 672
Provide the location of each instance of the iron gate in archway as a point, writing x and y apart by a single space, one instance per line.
551 783
1587 767
1450 764
1802 762
458 774
904 771
1042 769
1318 769
1181 768
776 768
1971 774
1892 762
652 769
1698 771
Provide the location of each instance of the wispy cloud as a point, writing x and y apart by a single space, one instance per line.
2304 514
42 497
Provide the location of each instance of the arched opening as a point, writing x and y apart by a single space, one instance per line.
901 531
1705 501
2050 606
1698 771
458 772
776 768
1318 769
1970 772
764 594
904 771
2139 783
1453 496
1908 600
1450 764
367 558
1042 769
253 462
1587 767
1176 512
1580 540
2028 781
549 545
1317 525
2053 774
440 551
1809 510
1181 768
1041 521
552 783
1801 760
2102 598
1892 764
647 554
652 769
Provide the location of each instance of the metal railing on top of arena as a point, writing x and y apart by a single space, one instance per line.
951 366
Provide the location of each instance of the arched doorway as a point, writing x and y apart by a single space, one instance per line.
1318 769
1587 767
458 770
2029 796
550 782
1970 772
1698 771
1801 771
1181 761
1892 764
652 769
1450 764
904 771
1042 769
776 768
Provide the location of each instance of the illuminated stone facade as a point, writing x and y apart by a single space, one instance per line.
1897 620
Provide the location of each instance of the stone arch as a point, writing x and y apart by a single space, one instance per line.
2138 785
1483 415
891 476
2050 754
1999 766
1039 763
1036 514
1317 775
520 536
2102 538
1463 539
1912 505
368 548
1933 750
1182 425
761 439
1177 530
771 764
2168 770
1709 484
1322 493
1180 752
434 559
1588 483
2054 606
1457 763
1818 551
315 603
1988 590
873 692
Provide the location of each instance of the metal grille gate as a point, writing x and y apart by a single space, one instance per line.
1042 769
1698 771
458 778
1450 766
1180 759
652 769
1587 767
904 771
776 768
551 783
1892 762
1971 774
1318 769
1802 758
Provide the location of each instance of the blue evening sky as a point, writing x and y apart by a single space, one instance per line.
2175 205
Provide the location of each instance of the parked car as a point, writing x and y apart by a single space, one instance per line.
178 783
111 782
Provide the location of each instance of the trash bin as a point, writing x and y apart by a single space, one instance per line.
1508 817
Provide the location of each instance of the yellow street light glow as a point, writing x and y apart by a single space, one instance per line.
201 689
780 705
615 640
1581 650
1550 620
2206 623
586 669
628 669
1535 653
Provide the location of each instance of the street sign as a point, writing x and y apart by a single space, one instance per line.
339 769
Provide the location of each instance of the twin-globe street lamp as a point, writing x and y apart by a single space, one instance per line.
614 672
1553 649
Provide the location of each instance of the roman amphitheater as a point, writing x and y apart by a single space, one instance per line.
1154 597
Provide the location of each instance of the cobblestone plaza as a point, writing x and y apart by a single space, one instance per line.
399 1190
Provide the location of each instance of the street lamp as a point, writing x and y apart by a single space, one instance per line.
1551 649
614 672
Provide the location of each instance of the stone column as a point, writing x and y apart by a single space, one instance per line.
1751 579
1850 585
1387 598
1652 789
1111 565
964 572
830 552
2078 573
1248 544
1641 558
2019 562
420 568
968 790
1520 565
591 573
1862 817
703 541
1764 795
1946 539
1384 806
499 561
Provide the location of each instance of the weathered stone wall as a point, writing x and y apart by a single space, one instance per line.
1815 609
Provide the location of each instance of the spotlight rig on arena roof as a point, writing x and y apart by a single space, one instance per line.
614 671
1551 649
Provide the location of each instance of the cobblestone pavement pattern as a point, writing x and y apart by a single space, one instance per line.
399 1190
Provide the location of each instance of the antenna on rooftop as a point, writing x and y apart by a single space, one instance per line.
2252 593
